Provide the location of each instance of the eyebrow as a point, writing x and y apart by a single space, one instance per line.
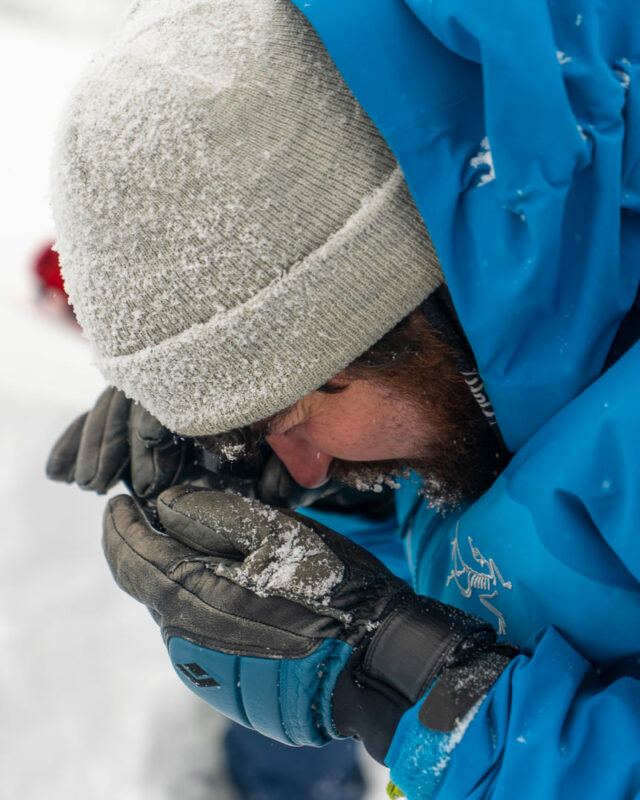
264 427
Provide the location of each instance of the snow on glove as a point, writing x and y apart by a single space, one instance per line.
289 628
98 447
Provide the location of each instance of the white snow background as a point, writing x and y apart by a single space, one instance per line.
89 705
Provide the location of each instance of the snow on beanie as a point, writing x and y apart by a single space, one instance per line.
233 230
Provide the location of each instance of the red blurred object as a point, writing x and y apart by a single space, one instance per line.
46 267
52 298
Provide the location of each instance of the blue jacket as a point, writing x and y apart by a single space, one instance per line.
517 125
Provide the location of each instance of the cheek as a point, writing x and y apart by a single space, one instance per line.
349 437
380 432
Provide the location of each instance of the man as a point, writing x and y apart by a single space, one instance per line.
236 235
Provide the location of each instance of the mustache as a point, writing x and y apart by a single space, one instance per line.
367 475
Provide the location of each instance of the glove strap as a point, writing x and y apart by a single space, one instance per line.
460 687
418 641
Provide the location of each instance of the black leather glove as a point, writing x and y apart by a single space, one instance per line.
119 439
289 627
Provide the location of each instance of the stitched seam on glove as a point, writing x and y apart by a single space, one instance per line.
292 728
282 687
318 697
99 464
239 694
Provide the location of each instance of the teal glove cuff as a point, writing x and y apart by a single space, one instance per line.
285 699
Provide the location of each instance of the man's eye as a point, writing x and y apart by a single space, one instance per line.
331 387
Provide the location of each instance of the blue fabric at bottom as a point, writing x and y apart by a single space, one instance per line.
418 756
262 769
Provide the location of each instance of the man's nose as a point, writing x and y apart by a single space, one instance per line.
307 465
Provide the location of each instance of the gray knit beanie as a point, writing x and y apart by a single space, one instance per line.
233 229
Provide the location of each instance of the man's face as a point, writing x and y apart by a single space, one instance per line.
369 423
364 422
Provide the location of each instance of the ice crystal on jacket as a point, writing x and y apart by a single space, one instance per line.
484 159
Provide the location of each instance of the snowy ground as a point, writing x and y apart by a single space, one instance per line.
89 706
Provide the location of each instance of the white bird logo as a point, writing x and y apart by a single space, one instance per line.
467 578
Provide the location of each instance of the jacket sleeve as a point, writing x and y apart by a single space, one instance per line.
564 719
552 727
517 126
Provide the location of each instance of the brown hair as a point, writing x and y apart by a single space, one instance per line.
413 361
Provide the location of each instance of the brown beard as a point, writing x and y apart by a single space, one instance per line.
465 457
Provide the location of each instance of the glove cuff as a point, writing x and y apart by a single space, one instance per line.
460 686
420 644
